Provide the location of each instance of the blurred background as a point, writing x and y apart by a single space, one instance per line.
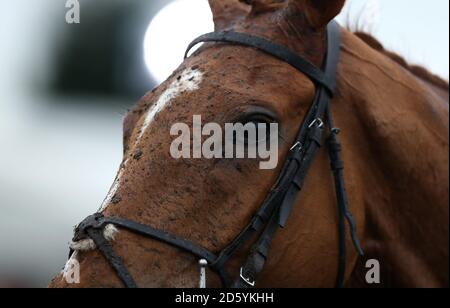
64 89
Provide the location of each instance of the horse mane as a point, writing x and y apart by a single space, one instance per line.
418 71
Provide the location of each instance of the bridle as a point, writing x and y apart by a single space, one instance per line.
277 207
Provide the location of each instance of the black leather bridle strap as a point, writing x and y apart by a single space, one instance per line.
304 161
113 259
309 141
257 258
299 162
271 48
291 180
325 88
92 227
172 240
162 236
337 166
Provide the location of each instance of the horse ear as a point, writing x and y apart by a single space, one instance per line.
228 12
317 12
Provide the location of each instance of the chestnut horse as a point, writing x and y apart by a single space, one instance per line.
395 124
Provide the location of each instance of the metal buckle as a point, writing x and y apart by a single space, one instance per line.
317 121
298 144
203 264
245 279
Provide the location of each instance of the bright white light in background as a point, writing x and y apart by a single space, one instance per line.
179 22
170 32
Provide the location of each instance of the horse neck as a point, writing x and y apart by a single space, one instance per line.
396 137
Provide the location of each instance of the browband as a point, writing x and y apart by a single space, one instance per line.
271 48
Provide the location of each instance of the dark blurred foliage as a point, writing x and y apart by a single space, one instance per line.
103 55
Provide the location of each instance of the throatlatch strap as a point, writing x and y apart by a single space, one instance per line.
337 166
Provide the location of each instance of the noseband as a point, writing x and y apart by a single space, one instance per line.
277 207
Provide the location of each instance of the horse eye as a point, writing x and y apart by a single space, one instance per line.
257 120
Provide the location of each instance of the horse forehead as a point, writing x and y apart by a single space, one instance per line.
188 80
252 73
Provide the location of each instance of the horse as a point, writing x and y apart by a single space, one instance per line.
394 125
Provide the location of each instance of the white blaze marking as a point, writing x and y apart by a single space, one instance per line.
111 193
68 267
188 81
74 257
114 188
